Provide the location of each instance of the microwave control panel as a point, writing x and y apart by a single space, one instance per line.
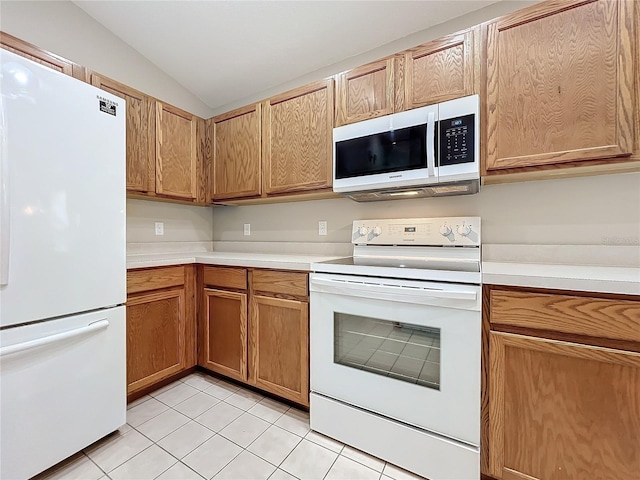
457 140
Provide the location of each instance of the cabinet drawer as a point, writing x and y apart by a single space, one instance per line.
225 277
596 317
288 283
154 279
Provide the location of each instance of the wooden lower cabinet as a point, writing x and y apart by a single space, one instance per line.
225 333
254 327
279 347
160 325
560 408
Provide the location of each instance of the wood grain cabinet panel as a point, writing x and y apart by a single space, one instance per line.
48 59
225 333
145 280
297 139
156 343
279 347
226 277
442 70
176 152
140 171
560 84
366 92
561 410
237 153
578 315
278 282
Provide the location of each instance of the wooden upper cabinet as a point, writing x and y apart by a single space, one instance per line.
561 410
443 69
366 92
27 50
297 138
176 152
560 83
140 133
237 153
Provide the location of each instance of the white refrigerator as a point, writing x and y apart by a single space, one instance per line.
62 266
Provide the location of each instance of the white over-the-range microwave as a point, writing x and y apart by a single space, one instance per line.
428 151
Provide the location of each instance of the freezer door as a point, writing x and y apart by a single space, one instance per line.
62 225
62 387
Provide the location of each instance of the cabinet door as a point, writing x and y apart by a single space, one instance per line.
365 92
225 333
279 345
561 410
441 70
156 344
236 153
140 134
297 139
27 50
560 84
176 152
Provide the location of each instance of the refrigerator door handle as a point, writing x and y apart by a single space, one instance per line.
5 211
58 337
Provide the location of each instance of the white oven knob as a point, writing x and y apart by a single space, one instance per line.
464 229
445 230
363 231
376 231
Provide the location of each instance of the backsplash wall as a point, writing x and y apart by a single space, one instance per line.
182 223
597 210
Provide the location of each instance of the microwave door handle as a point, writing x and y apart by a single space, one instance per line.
431 154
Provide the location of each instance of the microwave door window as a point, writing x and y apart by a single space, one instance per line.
394 151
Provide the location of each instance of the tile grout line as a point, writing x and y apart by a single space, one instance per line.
243 449
91 460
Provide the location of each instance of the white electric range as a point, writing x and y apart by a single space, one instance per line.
396 342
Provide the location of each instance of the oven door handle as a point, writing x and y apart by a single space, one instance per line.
374 290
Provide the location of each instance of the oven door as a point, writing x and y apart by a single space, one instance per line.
408 350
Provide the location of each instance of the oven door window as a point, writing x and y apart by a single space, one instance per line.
392 349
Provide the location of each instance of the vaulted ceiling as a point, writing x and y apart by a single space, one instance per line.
224 51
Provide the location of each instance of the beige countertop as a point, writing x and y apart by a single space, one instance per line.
589 268
241 259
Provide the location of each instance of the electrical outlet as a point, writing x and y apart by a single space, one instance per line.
247 229
322 227
159 228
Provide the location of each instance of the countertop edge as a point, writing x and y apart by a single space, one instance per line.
584 278
597 279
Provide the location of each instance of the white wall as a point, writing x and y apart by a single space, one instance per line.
182 223
66 30
595 210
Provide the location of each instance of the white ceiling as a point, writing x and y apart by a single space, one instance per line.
225 51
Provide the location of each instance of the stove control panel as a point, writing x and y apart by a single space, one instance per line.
442 231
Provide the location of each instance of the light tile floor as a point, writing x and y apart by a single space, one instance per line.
203 427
